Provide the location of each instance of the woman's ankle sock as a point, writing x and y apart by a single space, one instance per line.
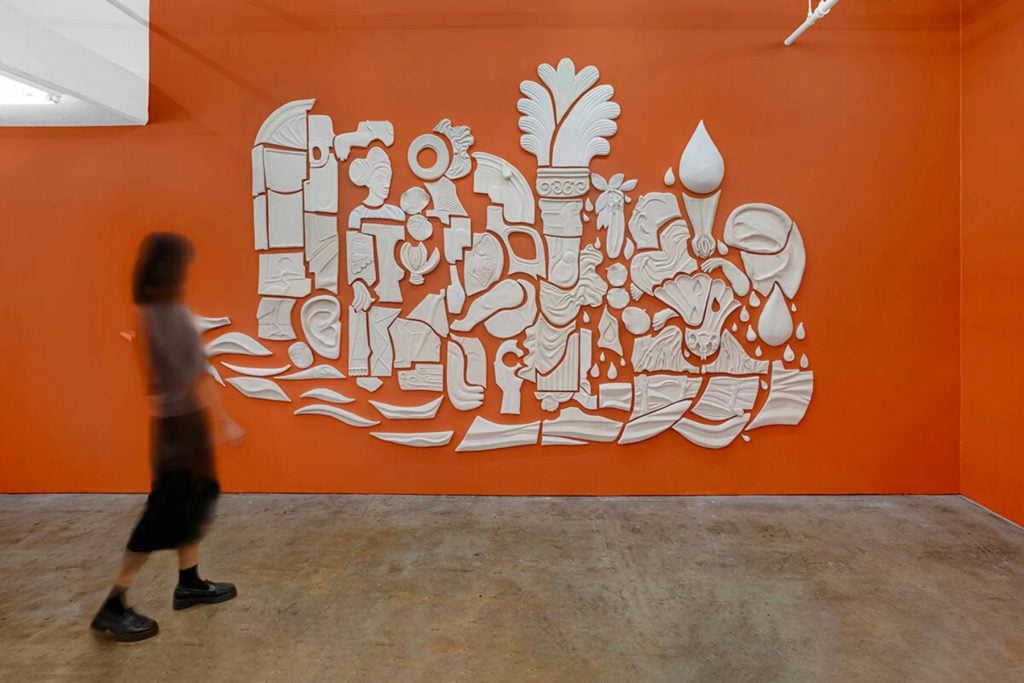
189 578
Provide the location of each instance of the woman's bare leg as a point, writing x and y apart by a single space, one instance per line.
188 556
131 563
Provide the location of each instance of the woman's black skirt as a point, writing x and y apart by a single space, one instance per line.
185 488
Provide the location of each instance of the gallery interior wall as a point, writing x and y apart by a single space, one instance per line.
851 132
992 465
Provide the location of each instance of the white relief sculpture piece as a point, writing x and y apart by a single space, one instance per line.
361 258
340 414
300 354
484 435
328 395
284 274
516 296
775 323
426 411
454 293
385 238
204 324
236 343
701 211
370 384
423 377
616 395
535 265
733 359
608 333
419 227
416 439
770 245
463 396
414 200
441 157
506 378
416 261
661 352
726 397
365 134
711 436
315 372
476 359
484 263
358 343
413 342
504 185
457 238
573 423
653 423
382 354
322 250
461 139
274 319
652 211
653 392
259 387
445 198
321 325
432 310
701 166
255 372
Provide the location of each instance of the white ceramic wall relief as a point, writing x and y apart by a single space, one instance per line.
691 308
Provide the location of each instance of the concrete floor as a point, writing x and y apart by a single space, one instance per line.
431 589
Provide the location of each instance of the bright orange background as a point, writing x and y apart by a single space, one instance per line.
852 132
992 464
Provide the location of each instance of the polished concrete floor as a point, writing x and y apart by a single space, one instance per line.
395 588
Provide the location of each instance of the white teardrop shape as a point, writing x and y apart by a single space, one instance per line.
613 371
755 300
723 248
751 335
758 352
601 357
670 178
764 385
597 244
801 333
701 167
586 317
588 205
792 307
622 362
744 315
803 360
788 354
734 327
775 324
745 438
595 371
686 353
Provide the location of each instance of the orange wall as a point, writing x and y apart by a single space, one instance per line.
992 459
851 132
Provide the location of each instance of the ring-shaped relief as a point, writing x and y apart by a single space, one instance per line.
432 142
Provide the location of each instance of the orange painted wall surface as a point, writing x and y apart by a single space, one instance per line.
850 132
992 459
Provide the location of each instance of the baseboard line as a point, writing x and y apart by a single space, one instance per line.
992 512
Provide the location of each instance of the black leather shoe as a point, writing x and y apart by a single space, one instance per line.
125 627
212 593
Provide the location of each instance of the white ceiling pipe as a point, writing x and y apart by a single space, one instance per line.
812 18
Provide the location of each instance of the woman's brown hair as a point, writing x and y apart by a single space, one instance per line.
159 275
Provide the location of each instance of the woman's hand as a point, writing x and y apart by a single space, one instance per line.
233 433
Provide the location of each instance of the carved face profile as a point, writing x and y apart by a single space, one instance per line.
374 173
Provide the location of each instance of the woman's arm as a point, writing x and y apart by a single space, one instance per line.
231 431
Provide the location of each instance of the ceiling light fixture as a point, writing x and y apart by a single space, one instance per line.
813 16
15 91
